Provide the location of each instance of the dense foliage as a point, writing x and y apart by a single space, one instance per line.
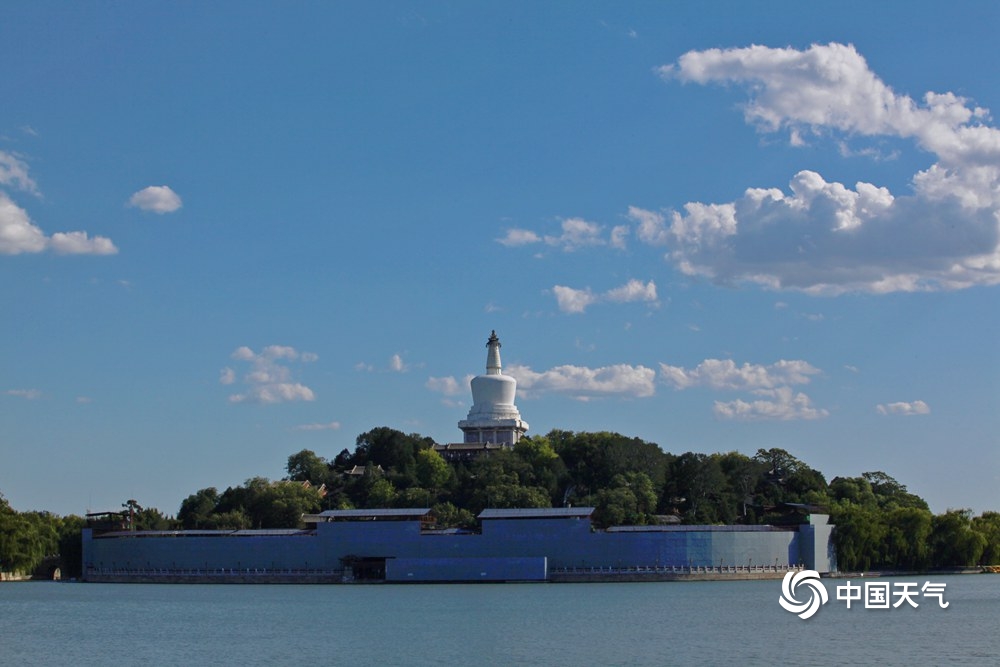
879 524
30 539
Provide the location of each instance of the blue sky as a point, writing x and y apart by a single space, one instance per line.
230 231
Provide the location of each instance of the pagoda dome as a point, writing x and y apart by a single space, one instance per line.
493 393
493 416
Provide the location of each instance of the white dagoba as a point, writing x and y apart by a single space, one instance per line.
493 417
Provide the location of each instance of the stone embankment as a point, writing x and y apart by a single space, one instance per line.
220 576
630 574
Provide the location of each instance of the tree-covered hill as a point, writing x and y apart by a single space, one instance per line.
879 523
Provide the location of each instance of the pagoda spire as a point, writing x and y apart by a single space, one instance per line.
493 354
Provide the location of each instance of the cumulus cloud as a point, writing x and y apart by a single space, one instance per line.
14 173
28 394
771 384
79 243
903 408
572 300
575 233
826 237
270 378
156 199
448 385
519 237
779 404
585 383
724 374
18 234
328 426
451 389
397 365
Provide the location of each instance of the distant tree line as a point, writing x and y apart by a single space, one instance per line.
879 524
29 538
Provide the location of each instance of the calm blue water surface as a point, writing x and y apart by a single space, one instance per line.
671 623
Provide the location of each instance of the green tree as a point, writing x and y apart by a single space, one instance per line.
432 470
908 538
698 488
859 537
448 515
743 475
630 500
381 493
306 466
593 459
988 525
954 542
196 510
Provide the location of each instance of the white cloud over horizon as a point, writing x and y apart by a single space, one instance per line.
18 234
584 383
270 378
572 300
27 394
14 173
327 426
448 385
156 199
770 384
903 408
726 375
575 233
779 404
824 237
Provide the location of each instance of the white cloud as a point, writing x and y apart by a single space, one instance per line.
78 243
575 233
651 226
826 237
772 383
633 290
14 173
572 300
28 394
157 199
329 426
583 383
724 374
519 237
904 409
618 235
779 404
269 381
397 365
448 386
18 234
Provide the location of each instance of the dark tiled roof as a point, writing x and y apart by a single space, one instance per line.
537 513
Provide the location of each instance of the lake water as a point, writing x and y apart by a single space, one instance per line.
671 623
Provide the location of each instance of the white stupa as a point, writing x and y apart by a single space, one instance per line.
493 418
